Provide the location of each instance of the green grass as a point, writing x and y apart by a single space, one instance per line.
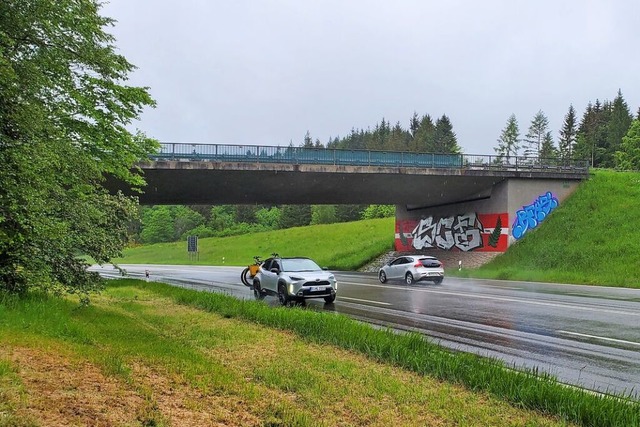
342 246
213 355
592 238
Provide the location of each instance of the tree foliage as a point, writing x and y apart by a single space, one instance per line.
535 136
628 157
295 216
64 108
423 136
509 140
568 132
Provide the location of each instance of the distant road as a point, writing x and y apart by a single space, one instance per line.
584 335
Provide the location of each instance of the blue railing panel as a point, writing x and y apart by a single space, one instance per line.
328 156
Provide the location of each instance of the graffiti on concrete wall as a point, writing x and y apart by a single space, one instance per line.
464 232
531 215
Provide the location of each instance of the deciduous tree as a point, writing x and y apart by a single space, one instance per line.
628 157
64 111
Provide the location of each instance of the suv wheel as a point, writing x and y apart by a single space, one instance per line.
283 297
257 290
330 299
408 279
382 276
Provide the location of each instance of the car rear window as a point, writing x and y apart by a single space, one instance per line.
430 262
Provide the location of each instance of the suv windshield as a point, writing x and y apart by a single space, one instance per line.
299 264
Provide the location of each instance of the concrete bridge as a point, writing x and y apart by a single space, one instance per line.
444 202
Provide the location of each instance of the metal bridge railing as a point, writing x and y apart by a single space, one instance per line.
330 156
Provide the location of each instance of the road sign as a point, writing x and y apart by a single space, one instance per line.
192 243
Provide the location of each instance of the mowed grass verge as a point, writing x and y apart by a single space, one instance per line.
147 354
592 238
341 246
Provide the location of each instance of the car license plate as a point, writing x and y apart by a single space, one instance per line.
434 274
317 288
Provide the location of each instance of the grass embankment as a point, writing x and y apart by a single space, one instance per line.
154 355
342 246
592 238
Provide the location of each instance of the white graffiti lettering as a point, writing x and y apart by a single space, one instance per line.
462 231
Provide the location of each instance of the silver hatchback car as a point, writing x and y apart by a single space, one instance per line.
294 279
412 268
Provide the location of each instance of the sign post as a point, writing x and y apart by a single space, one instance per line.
192 248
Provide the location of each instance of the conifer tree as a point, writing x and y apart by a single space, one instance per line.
536 134
592 132
422 141
617 127
445 140
548 150
509 140
567 135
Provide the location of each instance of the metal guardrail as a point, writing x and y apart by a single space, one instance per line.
330 156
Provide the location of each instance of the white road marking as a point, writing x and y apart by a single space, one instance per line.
598 338
491 297
364 300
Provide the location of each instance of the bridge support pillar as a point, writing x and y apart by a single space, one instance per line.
471 232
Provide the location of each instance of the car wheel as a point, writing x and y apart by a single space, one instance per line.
408 279
438 281
330 299
283 297
257 291
382 276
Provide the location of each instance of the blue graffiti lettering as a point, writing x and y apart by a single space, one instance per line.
531 215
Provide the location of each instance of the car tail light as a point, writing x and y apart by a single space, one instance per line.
418 264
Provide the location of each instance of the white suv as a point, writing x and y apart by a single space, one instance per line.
294 279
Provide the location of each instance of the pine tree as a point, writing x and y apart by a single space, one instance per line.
617 127
547 150
422 141
591 138
308 142
445 140
536 134
567 135
509 140
414 124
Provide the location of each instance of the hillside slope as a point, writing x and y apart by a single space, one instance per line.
341 246
593 237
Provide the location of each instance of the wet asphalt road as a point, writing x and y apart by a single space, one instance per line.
583 335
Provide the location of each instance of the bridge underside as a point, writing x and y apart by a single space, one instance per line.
173 182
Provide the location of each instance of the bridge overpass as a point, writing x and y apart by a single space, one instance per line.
248 174
466 205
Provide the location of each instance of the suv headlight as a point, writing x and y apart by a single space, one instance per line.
296 278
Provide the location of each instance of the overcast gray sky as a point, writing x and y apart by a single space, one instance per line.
267 71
